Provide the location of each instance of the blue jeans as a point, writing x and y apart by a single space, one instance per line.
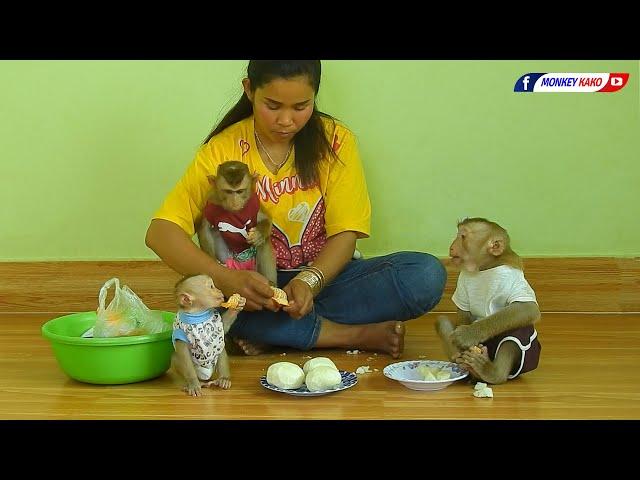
399 286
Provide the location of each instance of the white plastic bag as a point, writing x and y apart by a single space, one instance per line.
126 315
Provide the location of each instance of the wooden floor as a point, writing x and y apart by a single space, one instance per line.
589 369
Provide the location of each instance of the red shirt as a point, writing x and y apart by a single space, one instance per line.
234 226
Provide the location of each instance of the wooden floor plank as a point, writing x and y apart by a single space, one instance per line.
588 370
561 284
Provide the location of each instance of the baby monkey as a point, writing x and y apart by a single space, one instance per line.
198 333
493 335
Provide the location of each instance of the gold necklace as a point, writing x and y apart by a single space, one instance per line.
277 165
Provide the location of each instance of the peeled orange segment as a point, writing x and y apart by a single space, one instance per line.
280 296
233 302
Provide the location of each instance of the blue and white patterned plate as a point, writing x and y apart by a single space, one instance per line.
349 379
407 374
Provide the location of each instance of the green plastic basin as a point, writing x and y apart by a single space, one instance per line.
108 361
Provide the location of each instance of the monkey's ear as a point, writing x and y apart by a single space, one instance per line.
496 246
212 179
185 300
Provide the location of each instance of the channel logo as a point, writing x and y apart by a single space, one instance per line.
571 82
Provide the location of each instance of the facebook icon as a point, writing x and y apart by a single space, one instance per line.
526 82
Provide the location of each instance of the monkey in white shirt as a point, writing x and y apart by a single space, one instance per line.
493 334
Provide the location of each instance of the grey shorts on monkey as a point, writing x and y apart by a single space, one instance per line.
399 286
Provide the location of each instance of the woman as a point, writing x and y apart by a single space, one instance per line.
311 183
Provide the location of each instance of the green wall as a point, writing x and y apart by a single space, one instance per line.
88 149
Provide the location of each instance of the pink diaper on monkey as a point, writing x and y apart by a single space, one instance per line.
245 260
241 265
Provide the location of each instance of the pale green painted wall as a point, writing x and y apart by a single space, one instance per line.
88 149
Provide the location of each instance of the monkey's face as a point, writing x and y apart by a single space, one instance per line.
204 293
466 250
457 249
233 199
282 107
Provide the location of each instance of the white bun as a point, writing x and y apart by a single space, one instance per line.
285 375
317 362
323 378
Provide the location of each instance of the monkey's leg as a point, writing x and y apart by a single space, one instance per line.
262 232
260 237
266 262
497 371
183 365
224 372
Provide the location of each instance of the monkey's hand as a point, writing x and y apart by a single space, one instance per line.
255 237
192 387
300 299
465 336
456 357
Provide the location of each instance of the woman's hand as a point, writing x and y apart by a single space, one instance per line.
300 298
250 285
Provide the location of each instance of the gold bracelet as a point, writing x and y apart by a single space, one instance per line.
310 278
318 272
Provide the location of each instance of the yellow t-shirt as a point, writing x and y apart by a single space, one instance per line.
302 219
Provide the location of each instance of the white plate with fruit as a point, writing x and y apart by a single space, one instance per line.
425 375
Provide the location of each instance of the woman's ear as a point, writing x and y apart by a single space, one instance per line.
246 85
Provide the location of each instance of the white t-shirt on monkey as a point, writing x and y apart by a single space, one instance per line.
485 292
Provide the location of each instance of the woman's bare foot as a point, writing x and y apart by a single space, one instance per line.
386 337
252 348
239 346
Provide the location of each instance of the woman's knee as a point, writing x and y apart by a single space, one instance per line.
425 277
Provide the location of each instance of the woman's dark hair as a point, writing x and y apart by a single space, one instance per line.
311 141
